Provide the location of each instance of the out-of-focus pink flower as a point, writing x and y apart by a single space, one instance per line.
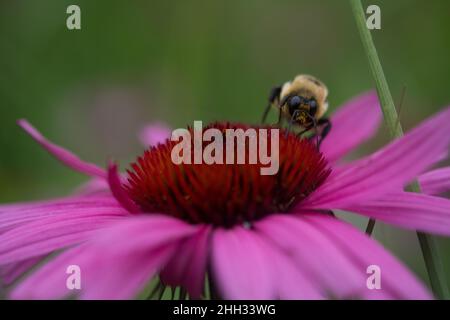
153 134
257 237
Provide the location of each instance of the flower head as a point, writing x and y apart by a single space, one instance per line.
256 237
241 193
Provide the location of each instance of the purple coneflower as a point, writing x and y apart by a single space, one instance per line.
252 236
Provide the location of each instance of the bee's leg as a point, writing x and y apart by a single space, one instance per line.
280 113
315 136
273 96
316 132
266 112
326 124
304 131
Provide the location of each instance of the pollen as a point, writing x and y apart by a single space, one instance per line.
225 194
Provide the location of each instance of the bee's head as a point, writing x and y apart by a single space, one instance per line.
307 107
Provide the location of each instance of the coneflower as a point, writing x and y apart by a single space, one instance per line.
253 236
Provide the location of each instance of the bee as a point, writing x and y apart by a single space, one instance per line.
303 102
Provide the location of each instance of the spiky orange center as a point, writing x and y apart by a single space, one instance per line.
225 194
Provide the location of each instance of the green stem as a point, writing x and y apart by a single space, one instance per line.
370 226
427 243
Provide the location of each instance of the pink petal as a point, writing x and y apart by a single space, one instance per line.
354 123
118 191
435 182
94 186
154 133
127 278
396 281
63 155
247 266
49 281
102 277
290 282
51 233
115 264
409 210
239 266
188 266
139 231
312 252
388 169
13 215
11 272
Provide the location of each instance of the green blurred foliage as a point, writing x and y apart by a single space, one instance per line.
189 60
90 90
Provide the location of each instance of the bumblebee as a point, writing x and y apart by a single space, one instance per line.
303 102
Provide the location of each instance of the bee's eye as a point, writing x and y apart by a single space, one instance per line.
295 101
313 104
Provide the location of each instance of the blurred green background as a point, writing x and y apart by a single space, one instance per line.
91 90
